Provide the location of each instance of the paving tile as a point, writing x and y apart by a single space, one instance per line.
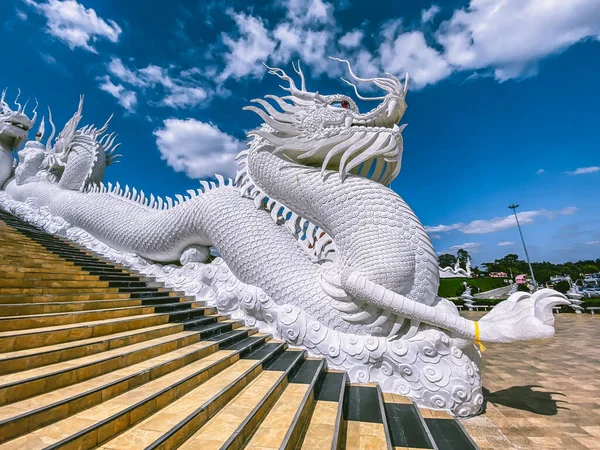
545 394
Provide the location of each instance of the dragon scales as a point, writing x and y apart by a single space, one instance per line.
314 247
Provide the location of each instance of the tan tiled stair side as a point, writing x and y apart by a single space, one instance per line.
95 356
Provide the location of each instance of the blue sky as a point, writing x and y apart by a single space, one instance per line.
502 104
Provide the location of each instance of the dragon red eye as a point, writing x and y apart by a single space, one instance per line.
345 104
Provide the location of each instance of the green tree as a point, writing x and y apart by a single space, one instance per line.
589 268
562 286
462 256
447 260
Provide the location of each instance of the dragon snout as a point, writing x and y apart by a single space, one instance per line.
21 121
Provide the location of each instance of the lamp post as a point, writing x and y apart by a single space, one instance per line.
514 209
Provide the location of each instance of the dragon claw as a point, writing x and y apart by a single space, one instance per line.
522 317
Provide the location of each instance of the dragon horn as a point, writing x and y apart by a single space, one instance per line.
35 112
292 89
49 141
105 126
17 104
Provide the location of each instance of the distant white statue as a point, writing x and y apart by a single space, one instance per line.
467 296
456 271
575 297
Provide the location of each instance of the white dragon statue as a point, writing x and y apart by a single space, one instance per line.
457 271
314 247
14 127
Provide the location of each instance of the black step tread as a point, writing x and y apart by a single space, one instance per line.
407 426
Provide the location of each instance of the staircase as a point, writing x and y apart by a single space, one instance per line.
93 355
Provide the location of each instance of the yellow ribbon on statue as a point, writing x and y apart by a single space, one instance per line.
477 341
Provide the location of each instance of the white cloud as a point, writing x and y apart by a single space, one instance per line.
503 223
118 69
184 96
409 52
513 35
443 228
505 243
471 247
127 99
199 149
21 15
500 223
539 171
584 170
435 236
311 45
48 58
76 25
593 243
427 15
253 46
309 11
505 38
180 92
352 39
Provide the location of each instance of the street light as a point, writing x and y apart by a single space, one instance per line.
514 209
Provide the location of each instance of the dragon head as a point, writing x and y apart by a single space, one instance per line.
330 132
14 125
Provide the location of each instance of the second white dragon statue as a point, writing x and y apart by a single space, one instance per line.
314 247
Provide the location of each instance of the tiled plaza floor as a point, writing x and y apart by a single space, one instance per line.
543 394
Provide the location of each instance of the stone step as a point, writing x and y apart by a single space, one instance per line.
202 420
12 249
95 425
26 283
38 337
41 270
365 418
12 246
57 290
17 361
21 385
80 295
6 275
325 427
23 309
283 425
86 287
16 256
13 323
406 424
446 431
44 407
30 263
61 265
14 242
